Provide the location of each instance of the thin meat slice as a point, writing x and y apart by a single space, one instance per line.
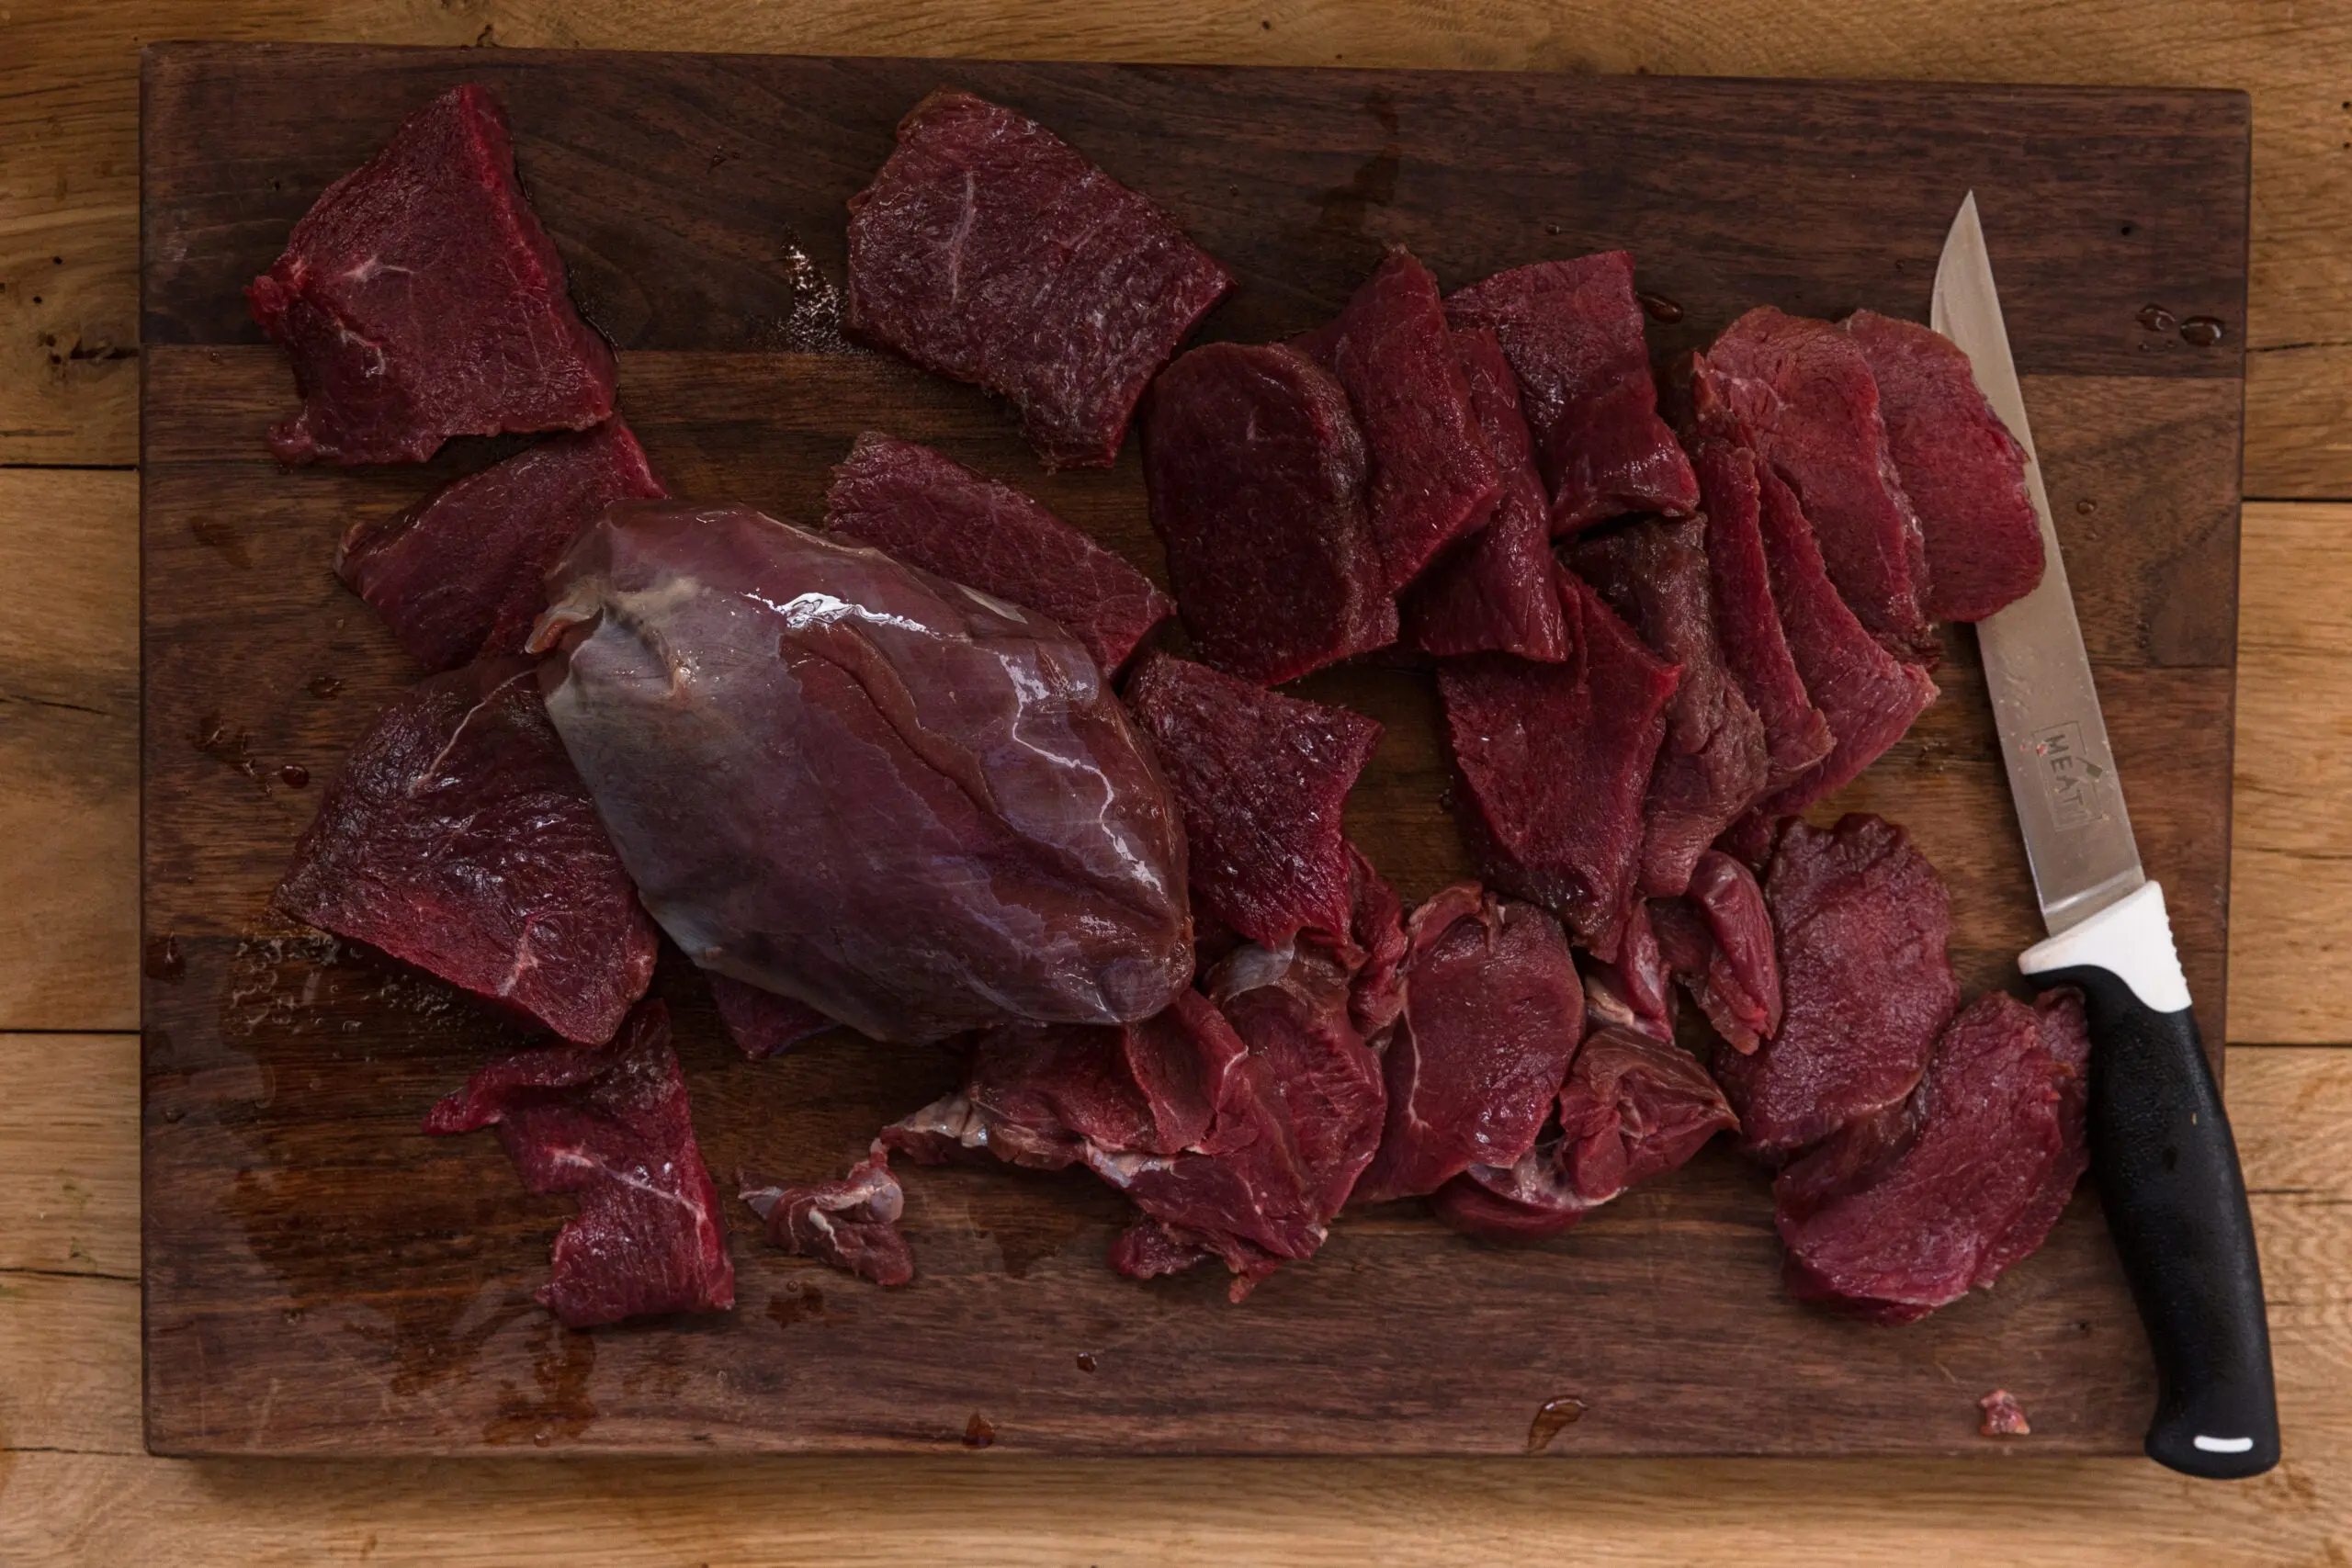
1573 332
1255 472
1493 591
1635 990
1963 470
419 298
762 1022
462 574
609 1124
1376 991
852 1224
458 838
989 250
1717 941
932 511
2066 1039
1433 473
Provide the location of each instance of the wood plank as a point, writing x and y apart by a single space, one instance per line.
68 1154
70 1340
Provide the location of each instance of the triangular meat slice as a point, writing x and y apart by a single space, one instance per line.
1717 941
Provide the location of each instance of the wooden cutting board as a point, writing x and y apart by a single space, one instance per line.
321 1277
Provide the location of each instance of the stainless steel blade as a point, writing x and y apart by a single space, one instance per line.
2061 773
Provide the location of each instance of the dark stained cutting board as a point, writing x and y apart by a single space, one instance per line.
323 1278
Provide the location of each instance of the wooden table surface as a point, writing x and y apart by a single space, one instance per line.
74 1486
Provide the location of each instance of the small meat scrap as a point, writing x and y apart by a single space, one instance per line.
1492 593
1493 1015
419 298
1261 779
1963 470
852 1224
1433 478
458 838
1554 762
932 511
2004 1417
609 1124
1255 472
1573 331
1861 920
1717 941
462 574
989 250
1635 990
762 1022
1713 764
1377 993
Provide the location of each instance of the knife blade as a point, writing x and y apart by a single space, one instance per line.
2160 1143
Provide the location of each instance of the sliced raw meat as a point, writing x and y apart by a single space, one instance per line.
1573 331
420 299
1712 764
1493 1014
610 1125
932 511
2066 1039
1633 991
763 1023
989 250
1433 477
1861 920
1554 760
852 1224
1255 472
1798 394
1492 593
1261 779
1377 993
916 808
458 838
1718 939
463 573
1963 470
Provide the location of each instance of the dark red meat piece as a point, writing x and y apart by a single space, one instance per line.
609 1124
852 1224
458 838
1492 593
1963 470
1376 993
463 573
1717 941
2004 1417
932 511
989 250
420 299
763 1023
1573 331
2066 1039
1635 990
1255 473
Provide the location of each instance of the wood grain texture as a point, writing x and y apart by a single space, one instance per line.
69 1154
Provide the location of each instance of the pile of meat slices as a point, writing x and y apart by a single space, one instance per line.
941 772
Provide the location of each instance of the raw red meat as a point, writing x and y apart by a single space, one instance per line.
1255 472
1633 991
2004 1417
914 808
610 1125
935 513
462 574
1261 779
1573 330
1554 760
1717 941
1433 478
2066 1039
1493 1013
420 299
1712 764
1377 993
763 1023
1963 470
1861 920
458 838
852 1224
1492 593
989 250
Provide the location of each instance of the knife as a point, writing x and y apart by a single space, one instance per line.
2160 1145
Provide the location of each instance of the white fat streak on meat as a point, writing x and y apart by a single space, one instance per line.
416 785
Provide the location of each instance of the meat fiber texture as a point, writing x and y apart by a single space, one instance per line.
1890 1224
419 298
1433 473
462 574
762 1023
1573 331
852 1224
1255 473
1377 990
989 249
1492 593
932 511
1263 781
1712 764
458 838
1799 393
1717 941
1633 991
1493 1015
1554 762
610 1125
912 807
1963 470
1861 921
